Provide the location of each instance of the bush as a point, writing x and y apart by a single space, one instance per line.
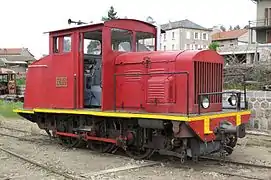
257 75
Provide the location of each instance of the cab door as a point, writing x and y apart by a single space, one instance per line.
64 82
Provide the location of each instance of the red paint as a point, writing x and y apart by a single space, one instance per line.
86 137
157 93
67 134
101 139
197 126
161 93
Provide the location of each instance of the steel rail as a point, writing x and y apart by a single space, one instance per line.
237 163
23 131
39 165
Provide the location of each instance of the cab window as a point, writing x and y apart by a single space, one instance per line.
121 40
145 41
62 44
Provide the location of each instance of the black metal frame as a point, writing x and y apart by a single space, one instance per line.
150 74
237 93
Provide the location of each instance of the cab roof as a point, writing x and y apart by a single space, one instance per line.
101 24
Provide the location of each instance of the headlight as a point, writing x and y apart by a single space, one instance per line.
232 100
205 103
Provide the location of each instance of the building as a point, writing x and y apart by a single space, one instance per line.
16 59
262 24
184 34
232 38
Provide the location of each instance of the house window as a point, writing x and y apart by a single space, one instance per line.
196 46
204 36
173 35
55 44
187 35
196 35
172 46
164 48
204 47
67 44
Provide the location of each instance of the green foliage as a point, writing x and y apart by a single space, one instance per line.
6 108
111 14
214 46
20 81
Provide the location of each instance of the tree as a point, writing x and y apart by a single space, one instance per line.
92 46
111 14
246 27
237 27
223 28
230 29
214 46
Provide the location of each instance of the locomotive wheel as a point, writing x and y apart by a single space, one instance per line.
138 154
101 147
71 142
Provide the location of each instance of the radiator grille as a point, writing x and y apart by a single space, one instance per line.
208 78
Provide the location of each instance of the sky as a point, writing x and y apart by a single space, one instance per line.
23 22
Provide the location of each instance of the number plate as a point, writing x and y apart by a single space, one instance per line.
61 81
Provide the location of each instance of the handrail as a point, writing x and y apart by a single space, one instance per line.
244 83
150 74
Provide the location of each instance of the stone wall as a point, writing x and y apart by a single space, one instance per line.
260 105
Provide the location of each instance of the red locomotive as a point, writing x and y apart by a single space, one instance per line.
102 86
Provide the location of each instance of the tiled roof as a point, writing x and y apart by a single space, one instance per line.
182 24
229 34
10 51
18 58
16 54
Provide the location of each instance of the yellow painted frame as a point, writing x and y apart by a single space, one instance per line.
205 118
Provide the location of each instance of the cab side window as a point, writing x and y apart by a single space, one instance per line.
67 43
55 44
62 44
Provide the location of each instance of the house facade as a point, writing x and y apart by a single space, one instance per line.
183 35
16 59
232 38
262 24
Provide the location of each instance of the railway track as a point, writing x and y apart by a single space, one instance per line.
22 131
174 164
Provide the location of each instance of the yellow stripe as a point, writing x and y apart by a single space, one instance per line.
207 125
206 118
238 119
114 114
222 115
23 111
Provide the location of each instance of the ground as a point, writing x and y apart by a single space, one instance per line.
85 163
